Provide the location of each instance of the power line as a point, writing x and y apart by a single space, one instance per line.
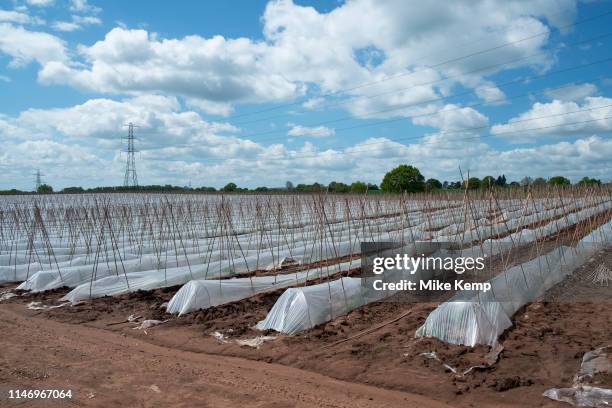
437 65
353 151
481 69
387 121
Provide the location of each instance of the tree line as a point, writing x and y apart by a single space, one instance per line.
403 178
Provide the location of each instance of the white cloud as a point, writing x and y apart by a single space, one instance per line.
316 131
82 6
559 118
303 52
25 46
453 117
40 3
589 156
490 93
216 70
314 103
86 20
213 108
177 146
18 17
304 48
572 92
65 26
77 23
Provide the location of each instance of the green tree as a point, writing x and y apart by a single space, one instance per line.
359 187
487 182
229 188
403 178
337 187
44 189
558 181
433 184
589 181
539 182
501 181
473 183
73 190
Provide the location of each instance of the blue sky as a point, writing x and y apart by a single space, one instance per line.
259 92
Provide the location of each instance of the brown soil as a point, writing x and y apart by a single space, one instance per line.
92 349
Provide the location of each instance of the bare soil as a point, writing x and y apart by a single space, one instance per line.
367 358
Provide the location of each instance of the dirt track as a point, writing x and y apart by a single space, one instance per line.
107 369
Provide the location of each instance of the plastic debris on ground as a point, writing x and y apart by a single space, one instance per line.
41 306
219 336
255 342
7 295
600 276
146 324
583 392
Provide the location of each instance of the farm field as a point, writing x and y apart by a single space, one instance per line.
111 292
313 204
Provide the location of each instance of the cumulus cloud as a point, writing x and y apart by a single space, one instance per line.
65 26
305 51
213 108
180 146
217 69
40 3
453 117
102 122
86 20
572 92
76 23
586 156
593 115
165 84
82 6
18 17
25 46
315 131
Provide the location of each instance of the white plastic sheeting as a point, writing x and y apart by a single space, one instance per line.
299 309
202 294
482 318
477 321
147 273
303 308
215 262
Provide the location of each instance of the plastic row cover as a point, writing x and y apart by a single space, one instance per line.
202 294
23 257
113 281
474 322
483 318
71 271
74 276
303 308
74 271
22 253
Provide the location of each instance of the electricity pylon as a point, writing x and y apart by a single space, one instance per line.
131 178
